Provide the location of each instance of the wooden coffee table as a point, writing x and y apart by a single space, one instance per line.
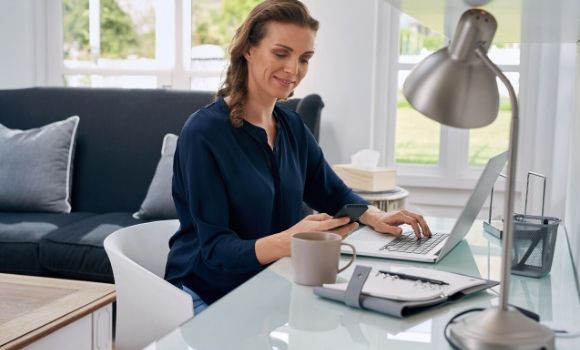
49 313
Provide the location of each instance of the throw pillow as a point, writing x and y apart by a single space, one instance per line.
37 167
158 203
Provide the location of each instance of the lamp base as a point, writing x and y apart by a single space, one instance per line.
495 328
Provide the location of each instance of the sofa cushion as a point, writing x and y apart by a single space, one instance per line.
76 251
36 167
118 137
158 203
20 234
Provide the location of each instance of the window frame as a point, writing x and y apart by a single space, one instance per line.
171 66
453 170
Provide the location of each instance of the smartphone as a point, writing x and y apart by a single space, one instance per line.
353 211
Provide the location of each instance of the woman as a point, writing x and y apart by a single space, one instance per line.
243 165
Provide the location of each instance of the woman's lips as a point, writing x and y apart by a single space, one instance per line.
284 82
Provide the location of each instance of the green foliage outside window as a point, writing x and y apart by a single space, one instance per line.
213 22
76 28
414 39
119 36
216 22
417 137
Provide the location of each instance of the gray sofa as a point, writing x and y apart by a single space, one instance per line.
117 150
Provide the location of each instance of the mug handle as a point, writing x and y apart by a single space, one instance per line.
351 259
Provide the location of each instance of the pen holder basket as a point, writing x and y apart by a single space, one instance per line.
534 242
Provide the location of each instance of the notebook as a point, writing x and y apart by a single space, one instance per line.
406 247
382 284
401 291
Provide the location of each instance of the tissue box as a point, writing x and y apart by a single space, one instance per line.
366 179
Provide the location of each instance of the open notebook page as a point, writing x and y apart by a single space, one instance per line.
390 287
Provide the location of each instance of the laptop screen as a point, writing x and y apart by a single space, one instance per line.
475 202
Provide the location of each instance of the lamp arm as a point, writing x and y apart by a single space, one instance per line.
511 176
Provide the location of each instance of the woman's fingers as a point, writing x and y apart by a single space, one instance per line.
383 227
414 224
324 222
425 229
334 223
344 230
396 219
390 224
319 217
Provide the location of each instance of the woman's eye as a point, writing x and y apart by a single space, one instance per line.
280 54
305 59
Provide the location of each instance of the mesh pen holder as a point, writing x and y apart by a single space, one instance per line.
534 237
534 242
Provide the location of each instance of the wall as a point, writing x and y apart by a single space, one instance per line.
17 40
341 71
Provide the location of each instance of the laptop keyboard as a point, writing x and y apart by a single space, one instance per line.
408 243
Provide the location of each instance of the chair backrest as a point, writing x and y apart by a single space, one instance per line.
309 108
148 307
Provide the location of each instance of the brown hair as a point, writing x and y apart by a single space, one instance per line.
250 33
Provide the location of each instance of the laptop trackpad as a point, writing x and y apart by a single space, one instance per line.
367 239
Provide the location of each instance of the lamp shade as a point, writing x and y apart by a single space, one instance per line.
453 86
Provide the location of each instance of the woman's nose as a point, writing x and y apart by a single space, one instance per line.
291 67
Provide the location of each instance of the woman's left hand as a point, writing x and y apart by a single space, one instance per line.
389 222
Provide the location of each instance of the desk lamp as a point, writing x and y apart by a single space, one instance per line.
456 86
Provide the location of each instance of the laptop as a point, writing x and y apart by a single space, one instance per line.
407 247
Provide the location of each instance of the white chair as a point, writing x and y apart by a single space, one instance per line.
148 307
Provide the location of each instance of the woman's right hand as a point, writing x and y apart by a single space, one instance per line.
323 222
273 247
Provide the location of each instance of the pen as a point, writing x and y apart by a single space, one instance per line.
404 276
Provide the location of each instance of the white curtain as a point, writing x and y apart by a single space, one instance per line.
552 81
572 216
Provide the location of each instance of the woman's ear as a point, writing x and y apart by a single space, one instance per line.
248 53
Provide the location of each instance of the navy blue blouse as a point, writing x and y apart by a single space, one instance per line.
230 189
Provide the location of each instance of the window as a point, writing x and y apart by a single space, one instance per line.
110 43
213 25
417 138
178 44
422 146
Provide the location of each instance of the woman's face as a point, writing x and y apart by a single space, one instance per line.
279 62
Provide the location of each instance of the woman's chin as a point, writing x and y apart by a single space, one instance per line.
281 95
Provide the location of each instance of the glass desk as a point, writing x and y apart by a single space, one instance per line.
271 312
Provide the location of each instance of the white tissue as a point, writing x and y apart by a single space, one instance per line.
366 158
